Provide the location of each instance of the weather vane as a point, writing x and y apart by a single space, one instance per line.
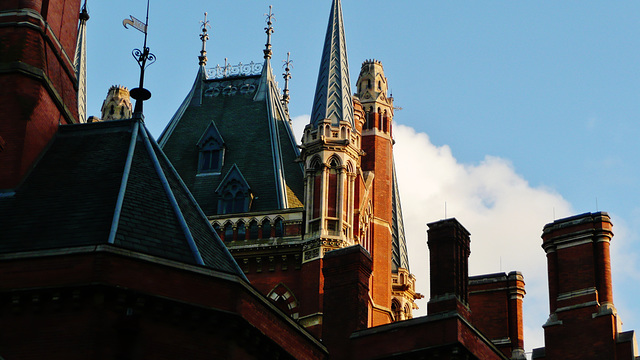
204 37
269 31
144 59
287 76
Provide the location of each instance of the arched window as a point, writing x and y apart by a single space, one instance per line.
253 230
279 227
234 193
211 153
396 309
266 229
228 232
216 227
317 187
332 189
407 312
242 231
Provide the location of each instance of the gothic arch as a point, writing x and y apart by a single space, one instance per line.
285 300
350 167
396 308
334 161
278 225
314 163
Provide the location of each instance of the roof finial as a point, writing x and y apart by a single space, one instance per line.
144 59
269 30
287 75
84 14
204 37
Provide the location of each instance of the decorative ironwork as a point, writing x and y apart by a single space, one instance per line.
269 30
204 36
221 72
287 76
144 58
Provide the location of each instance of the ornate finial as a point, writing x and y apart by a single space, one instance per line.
269 30
84 14
287 76
144 59
204 37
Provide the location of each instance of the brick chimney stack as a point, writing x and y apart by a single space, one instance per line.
580 291
347 273
496 306
449 250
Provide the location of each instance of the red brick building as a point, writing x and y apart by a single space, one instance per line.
113 246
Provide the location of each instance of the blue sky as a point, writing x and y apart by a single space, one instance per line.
522 110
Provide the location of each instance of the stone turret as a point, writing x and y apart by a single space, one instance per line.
373 91
117 105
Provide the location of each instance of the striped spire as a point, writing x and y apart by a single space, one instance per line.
333 90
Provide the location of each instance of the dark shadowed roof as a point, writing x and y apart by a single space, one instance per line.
248 114
109 183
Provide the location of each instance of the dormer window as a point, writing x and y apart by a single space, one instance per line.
210 159
234 194
211 154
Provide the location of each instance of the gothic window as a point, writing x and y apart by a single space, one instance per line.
317 189
211 151
278 227
216 227
285 300
333 189
234 194
266 229
253 230
395 308
242 231
228 232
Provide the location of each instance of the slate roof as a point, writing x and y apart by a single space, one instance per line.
333 90
258 139
80 193
400 257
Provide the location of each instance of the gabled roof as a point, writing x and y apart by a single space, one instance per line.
233 174
211 133
109 183
247 112
333 90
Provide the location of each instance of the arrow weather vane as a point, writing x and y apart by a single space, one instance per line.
144 59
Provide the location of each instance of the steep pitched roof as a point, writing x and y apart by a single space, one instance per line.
109 183
247 111
400 257
333 90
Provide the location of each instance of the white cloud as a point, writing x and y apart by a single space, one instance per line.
298 123
503 213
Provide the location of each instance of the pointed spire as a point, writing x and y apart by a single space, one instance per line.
204 37
287 76
80 63
269 31
333 90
